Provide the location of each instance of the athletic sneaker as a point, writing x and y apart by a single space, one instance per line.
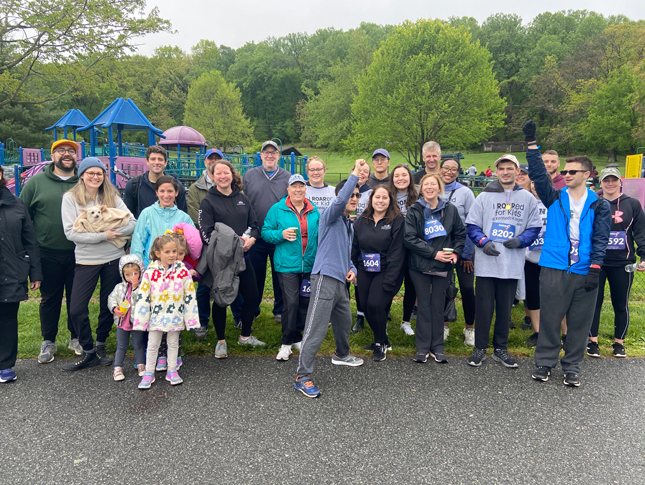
407 328
102 355
84 361
511 325
47 351
179 363
238 324
420 357
359 325
221 351
349 360
201 332
619 350
379 352
162 363
477 357
526 324
414 314
593 350
173 378
571 379
147 380
141 369
297 346
252 341
371 347
7 375
118 374
503 357
532 340
284 353
446 333
541 373
469 337
75 346
439 357
306 386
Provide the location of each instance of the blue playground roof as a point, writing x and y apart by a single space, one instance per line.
122 114
74 118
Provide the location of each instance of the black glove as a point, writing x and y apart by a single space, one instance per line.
591 280
513 243
489 250
529 131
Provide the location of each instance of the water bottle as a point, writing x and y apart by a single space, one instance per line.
247 233
630 268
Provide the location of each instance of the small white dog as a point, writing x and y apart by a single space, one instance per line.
100 218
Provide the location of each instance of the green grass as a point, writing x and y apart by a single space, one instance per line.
338 163
270 332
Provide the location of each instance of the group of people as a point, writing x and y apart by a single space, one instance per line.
375 231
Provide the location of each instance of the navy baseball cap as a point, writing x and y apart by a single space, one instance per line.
381 151
213 151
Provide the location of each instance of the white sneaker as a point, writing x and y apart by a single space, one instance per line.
284 353
297 346
253 341
446 333
469 337
407 328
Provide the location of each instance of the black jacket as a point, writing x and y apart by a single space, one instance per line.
387 241
19 253
633 223
422 253
233 210
146 196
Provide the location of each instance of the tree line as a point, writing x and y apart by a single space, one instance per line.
579 74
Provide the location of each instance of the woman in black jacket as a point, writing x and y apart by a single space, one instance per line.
19 260
225 203
435 237
379 256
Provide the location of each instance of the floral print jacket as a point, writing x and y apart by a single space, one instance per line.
165 300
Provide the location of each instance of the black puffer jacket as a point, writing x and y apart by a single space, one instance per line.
19 253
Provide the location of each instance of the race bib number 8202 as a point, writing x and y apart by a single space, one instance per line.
502 232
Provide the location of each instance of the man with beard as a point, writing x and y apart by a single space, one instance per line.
552 164
43 196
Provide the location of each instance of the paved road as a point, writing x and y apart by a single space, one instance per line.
240 421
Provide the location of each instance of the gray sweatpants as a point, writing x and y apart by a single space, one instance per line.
561 294
329 302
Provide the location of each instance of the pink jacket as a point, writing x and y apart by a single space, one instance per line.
193 239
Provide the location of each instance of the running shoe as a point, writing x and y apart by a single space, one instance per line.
532 340
469 337
306 386
380 352
75 346
47 351
503 357
221 351
407 328
359 325
619 350
571 379
541 373
420 357
439 357
593 349
477 357
252 341
284 353
173 378
147 380
348 360
446 333
7 375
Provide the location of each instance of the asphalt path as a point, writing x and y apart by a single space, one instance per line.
239 420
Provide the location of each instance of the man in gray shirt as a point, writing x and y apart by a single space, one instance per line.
264 186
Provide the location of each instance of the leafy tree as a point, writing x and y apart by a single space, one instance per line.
505 37
214 109
427 82
75 36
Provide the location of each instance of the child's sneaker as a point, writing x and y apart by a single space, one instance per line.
173 378
147 380
162 363
141 369
118 374
179 362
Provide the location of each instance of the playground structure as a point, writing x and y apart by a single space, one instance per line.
185 147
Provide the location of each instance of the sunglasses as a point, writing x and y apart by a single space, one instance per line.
355 196
572 172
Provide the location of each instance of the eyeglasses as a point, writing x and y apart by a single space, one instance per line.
572 172
315 169
96 175
271 153
355 196
451 170
63 151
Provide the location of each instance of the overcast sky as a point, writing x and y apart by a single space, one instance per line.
236 22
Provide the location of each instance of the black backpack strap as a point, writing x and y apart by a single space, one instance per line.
135 190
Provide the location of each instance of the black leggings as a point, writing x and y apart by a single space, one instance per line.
532 284
409 297
249 291
376 302
493 295
8 334
467 291
620 284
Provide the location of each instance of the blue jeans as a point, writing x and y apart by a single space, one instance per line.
123 341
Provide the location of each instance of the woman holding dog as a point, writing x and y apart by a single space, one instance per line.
96 257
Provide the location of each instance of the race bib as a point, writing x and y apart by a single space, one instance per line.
433 228
372 262
502 232
617 240
575 257
305 288
538 243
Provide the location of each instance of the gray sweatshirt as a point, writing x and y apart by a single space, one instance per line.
490 214
264 192
321 197
92 248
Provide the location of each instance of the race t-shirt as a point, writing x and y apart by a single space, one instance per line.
401 199
576 212
534 250
321 197
362 202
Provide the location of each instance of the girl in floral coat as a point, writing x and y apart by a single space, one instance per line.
165 303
